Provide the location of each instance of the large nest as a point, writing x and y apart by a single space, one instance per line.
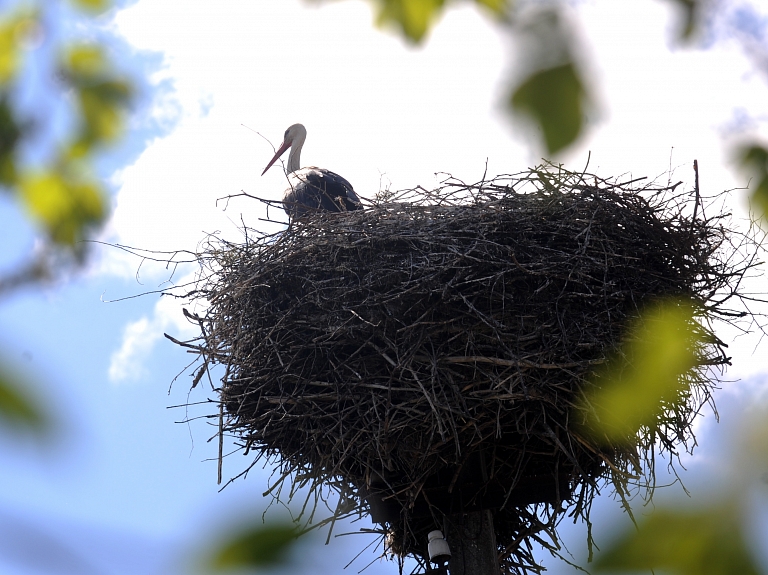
424 356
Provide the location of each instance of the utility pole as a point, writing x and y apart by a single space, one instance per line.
472 541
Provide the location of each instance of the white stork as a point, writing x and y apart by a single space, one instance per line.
311 189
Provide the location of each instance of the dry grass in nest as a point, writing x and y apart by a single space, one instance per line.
423 357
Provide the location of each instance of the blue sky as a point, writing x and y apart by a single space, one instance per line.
127 489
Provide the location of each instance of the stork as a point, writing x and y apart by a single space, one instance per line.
311 189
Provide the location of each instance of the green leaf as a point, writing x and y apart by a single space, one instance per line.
649 374
556 101
10 136
103 107
754 157
13 32
84 62
256 546
705 542
103 97
9 53
498 7
17 409
413 17
66 208
94 6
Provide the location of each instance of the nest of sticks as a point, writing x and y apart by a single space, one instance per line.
422 358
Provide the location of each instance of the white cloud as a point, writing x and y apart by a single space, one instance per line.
141 336
138 338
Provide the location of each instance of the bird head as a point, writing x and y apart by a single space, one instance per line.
294 136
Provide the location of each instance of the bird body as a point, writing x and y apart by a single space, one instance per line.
311 189
318 189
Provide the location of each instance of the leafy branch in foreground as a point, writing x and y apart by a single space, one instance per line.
62 194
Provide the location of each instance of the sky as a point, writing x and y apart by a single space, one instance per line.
128 489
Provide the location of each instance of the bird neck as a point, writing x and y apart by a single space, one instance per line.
294 158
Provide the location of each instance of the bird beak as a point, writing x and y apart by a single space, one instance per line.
280 151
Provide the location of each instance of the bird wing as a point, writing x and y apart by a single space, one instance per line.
328 184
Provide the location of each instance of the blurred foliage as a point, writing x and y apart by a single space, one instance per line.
554 99
65 207
628 394
64 196
550 95
649 371
707 541
754 158
414 18
18 410
692 18
10 135
94 6
102 97
13 31
253 547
